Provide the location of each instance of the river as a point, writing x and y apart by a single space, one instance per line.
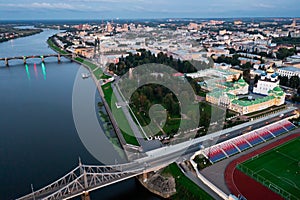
38 139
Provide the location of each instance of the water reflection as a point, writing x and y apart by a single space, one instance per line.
35 71
27 71
44 71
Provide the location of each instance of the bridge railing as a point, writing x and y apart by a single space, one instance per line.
89 182
56 184
83 178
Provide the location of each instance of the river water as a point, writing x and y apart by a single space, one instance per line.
38 139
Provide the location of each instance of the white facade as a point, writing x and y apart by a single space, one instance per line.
267 82
263 87
289 71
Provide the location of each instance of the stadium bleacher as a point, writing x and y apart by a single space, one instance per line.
278 130
215 154
241 143
288 125
230 147
253 138
264 133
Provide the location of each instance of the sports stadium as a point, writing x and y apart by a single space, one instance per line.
261 164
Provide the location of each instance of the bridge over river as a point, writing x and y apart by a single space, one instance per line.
86 178
42 57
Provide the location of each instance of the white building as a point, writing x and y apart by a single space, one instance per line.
268 81
289 71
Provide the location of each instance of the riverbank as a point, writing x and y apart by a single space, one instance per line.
9 33
184 186
107 96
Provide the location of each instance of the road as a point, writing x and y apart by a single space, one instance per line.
146 145
217 137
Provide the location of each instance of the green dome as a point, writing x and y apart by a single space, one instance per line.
280 93
242 80
277 89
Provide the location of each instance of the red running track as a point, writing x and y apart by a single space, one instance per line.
240 183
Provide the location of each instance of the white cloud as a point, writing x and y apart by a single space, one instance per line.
262 5
44 5
110 1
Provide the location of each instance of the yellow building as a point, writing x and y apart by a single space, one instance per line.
276 97
228 98
222 96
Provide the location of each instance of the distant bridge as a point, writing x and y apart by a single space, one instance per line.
42 57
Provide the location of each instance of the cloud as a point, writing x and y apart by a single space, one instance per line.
111 1
44 5
262 5
148 8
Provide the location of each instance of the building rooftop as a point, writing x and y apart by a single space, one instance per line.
256 101
292 69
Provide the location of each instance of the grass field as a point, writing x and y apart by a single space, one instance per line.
185 188
53 46
119 115
91 65
277 169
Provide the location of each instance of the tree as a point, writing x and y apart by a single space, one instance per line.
284 53
256 78
111 67
284 80
294 82
246 75
247 66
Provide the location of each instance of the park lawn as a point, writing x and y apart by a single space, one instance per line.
104 76
89 64
277 169
172 126
53 46
98 73
119 115
185 188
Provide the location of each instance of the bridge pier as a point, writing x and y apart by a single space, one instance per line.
24 60
145 177
43 59
58 58
85 196
6 62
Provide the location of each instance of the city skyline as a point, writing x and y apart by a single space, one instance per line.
132 9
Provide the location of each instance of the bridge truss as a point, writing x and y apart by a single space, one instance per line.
83 179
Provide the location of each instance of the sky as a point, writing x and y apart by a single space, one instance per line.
131 9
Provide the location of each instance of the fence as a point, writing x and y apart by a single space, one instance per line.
269 184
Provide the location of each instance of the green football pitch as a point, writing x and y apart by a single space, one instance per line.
278 169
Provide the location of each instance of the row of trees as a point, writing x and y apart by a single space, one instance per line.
284 53
148 95
17 33
145 57
286 40
234 60
293 82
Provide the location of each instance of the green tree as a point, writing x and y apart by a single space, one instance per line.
246 75
284 80
294 82
284 53
256 78
247 66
